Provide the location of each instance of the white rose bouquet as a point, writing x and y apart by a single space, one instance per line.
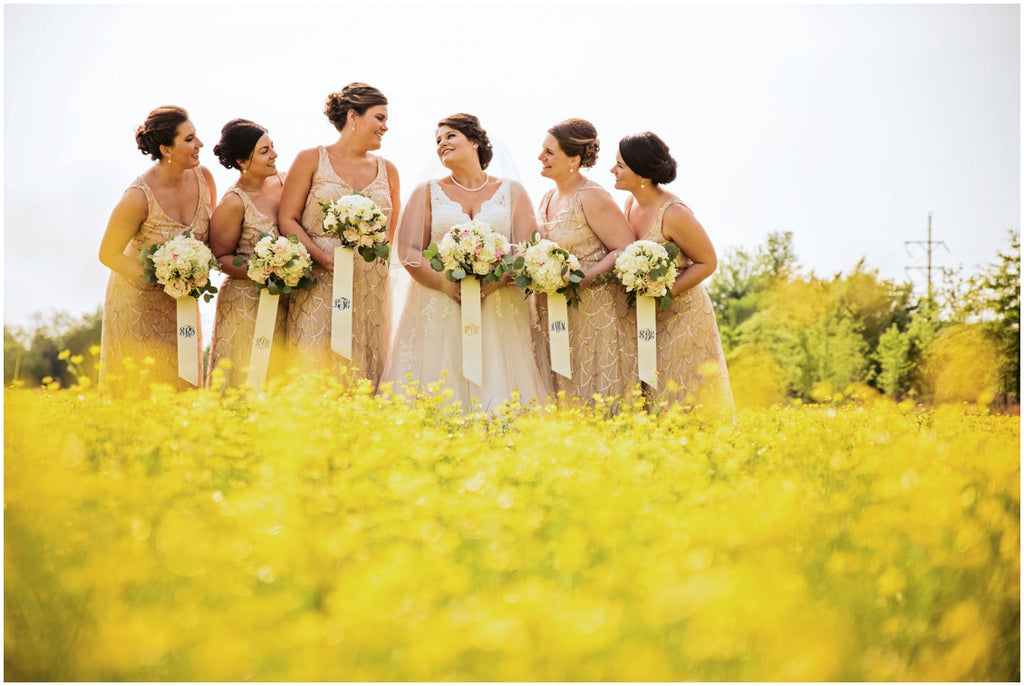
280 265
648 268
181 265
359 222
546 267
471 249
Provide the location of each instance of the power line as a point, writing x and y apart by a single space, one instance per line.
929 249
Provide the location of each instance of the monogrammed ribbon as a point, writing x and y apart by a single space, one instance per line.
262 339
472 343
188 339
558 334
647 340
341 303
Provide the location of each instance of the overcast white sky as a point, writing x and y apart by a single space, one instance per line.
845 124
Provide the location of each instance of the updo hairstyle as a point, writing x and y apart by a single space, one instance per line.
469 126
355 96
577 137
160 128
238 139
648 157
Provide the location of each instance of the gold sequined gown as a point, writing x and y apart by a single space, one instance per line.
602 351
691 363
237 304
139 343
309 313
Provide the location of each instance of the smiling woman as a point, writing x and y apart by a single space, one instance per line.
172 198
323 175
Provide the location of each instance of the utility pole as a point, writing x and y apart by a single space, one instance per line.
928 250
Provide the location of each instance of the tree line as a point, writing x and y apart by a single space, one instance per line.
787 333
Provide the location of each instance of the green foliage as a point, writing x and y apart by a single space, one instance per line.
31 355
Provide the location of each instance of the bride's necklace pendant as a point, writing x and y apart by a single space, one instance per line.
471 190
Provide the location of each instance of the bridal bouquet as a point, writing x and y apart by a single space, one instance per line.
546 267
358 221
471 249
181 265
280 265
648 268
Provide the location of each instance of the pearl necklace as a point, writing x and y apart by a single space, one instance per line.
471 190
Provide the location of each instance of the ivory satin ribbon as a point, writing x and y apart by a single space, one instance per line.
262 339
341 303
188 339
472 342
647 339
558 334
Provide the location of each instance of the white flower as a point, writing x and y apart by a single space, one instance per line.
634 266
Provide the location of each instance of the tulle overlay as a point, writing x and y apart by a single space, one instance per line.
140 320
309 313
602 333
691 363
237 304
428 340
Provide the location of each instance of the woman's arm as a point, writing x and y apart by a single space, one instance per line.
610 226
124 223
225 231
396 199
682 228
293 201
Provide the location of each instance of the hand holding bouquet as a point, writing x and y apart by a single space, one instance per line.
359 223
181 265
280 265
546 267
471 249
648 268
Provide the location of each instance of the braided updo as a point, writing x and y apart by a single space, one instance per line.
469 126
577 137
238 139
160 128
355 96
648 157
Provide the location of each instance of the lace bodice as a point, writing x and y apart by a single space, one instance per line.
327 186
253 224
445 212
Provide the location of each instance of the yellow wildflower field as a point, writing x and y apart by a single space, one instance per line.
313 532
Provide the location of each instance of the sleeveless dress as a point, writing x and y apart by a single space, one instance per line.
309 313
691 363
602 352
428 339
237 303
140 320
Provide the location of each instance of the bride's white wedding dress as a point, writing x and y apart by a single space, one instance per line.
428 340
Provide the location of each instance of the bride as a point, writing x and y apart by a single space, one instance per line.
428 343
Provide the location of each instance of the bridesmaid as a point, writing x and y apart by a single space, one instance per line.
247 210
581 216
359 112
173 196
691 364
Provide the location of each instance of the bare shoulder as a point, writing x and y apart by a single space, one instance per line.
306 159
593 196
230 200
207 174
678 213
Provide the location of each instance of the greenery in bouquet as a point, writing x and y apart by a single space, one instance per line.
472 248
360 224
279 264
648 268
546 267
181 265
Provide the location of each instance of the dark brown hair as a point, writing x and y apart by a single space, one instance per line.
469 126
647 156
355 96
577 137
238 139
160 128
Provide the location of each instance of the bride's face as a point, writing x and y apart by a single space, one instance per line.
453 147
